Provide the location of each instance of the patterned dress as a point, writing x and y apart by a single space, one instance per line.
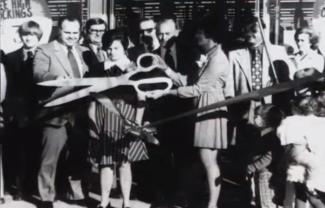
113 146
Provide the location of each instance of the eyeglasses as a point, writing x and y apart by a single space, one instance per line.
96 31
148 30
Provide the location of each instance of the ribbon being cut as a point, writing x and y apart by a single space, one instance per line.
147 79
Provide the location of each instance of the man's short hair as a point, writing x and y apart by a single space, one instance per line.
249 21
68 18
30 28
145 19
213 28
165 19
94 21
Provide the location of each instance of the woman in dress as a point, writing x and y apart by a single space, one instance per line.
212 85
115 149
308 54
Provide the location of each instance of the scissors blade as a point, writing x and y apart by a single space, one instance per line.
70 97
73 82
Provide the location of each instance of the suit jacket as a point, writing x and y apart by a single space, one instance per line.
185 65
19 104
95 68
240 61
51 62
185 56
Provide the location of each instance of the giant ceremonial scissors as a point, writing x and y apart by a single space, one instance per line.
144 80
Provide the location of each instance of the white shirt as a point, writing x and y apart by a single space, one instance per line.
310 60
307 130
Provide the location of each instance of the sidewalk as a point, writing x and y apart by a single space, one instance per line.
116 203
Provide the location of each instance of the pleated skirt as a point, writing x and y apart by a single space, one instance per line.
114 146
211 128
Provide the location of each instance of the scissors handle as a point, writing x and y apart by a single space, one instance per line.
141 85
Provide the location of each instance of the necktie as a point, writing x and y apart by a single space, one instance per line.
29 58
30 55
256 70
73 63
169 59
100 55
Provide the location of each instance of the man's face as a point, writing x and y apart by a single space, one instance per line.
69 33
29 41
303 42
253 35
95 33
201 40
148 28
166 30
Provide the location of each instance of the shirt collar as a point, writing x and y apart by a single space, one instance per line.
25 52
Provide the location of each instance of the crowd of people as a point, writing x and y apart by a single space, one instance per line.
275 141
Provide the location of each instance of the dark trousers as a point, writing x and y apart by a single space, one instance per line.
20 148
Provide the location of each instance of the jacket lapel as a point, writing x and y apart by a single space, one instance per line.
266 67
84 65
62 58
245 65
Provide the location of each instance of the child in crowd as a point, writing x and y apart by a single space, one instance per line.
306 170
267 154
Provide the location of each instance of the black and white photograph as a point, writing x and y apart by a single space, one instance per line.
162 103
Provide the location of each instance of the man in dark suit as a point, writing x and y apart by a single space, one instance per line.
148 41
175 137
19 107
148 35
59 59
95 28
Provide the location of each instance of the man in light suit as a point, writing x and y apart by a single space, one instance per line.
251 71
61 58
246 76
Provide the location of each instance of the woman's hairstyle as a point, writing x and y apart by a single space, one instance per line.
110 36
271 115
313 37
214 28
319 105
304 105
30 28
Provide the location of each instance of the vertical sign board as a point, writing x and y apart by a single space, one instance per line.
319 22
15 12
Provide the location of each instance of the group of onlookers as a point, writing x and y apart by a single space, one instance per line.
279 162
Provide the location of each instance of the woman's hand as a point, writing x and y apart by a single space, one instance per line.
155 94
161 63
160 93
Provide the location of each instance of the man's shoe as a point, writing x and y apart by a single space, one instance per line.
108 206
46 204
17 197
80 202
2 200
